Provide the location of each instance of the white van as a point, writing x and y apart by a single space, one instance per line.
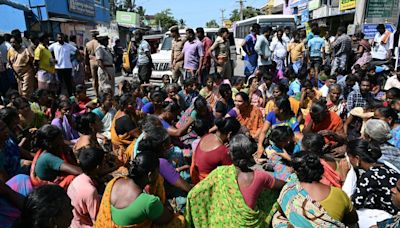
162 59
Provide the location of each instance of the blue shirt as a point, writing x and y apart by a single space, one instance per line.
294 88
148 108
315 45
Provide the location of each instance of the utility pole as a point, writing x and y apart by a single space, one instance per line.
222 17
241 8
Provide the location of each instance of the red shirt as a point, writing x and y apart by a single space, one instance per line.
331 122
207 161
261 180
207 43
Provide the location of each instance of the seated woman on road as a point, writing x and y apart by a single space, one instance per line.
315 143
390 116
209 92
125 202
235 195
306 202
65 122
279 152
324 122
281 116
279 90
225 102
28 118
211 151
124 127
106 113
373 186
168 116
52 162
247 114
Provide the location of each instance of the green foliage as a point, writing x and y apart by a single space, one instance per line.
166 19
212 24
248 12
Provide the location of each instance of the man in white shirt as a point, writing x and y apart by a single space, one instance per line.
62 53
383 44
393 82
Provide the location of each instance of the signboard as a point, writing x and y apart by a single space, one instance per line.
380 8
83 7
228 24
127 18
305 16
347 4
369 30
314 4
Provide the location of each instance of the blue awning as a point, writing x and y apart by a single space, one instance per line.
15 5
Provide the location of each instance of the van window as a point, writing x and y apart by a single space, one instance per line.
167 44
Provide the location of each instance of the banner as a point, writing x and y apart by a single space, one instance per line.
128 18
380 8
84 7
347 4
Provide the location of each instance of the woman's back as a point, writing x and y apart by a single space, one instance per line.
209 154
130 206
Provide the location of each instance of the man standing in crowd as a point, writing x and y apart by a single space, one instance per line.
251 57
177 46
341 48
383 44
222 53
62 53
279 50
316 52
44 63
263 51
21 62
91 66
144 62
193 54
5 74
207 43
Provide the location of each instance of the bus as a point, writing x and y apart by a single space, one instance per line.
242 28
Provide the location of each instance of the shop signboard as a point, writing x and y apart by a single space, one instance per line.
83 7
380 8
314 4
347 4
127 18
305 16
369 30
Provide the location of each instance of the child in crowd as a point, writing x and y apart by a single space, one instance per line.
238 85
187 94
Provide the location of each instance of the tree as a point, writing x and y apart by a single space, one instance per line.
141 11
248 12
212 24
182 23
235 16
165 19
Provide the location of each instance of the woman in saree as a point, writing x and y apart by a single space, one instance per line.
247 114
363 51
126 203
305 202
281 116
65 122
334 102
124 127
106 113
390 116
277 91
40 103
211 151
198 110
28 118
315 143
52 163
209 91
236 195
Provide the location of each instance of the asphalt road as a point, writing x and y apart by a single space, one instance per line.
238 72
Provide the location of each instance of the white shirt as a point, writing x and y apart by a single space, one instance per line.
324 91
279 48
392 82
379 51
63 53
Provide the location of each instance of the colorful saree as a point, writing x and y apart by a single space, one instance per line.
104 217
299 210
330 176
120 143
217 202
63 180
252 118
